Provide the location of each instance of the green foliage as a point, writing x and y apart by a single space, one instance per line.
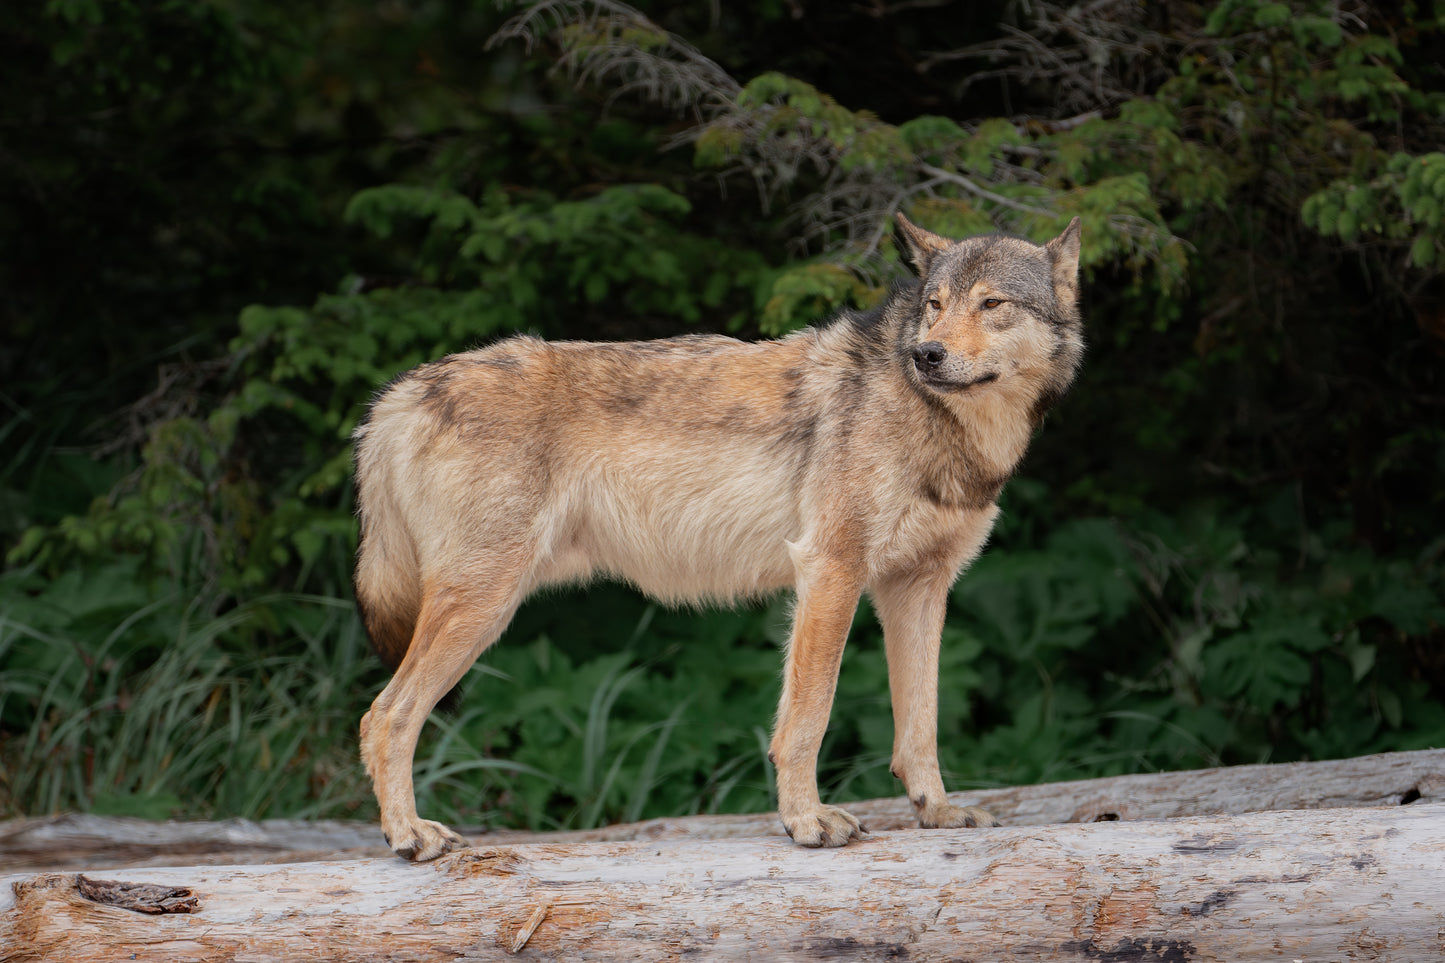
1099 650
620 735
995 175
1402 203
810 293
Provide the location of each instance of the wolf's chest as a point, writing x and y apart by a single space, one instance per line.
928 535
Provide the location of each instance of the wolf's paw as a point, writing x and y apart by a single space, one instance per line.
423 840
949 816
823 826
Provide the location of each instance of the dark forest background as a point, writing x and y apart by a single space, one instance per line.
224 224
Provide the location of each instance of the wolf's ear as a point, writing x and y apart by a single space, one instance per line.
919 245
1064 251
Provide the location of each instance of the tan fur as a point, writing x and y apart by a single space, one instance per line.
863 456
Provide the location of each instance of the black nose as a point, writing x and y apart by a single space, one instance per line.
929 355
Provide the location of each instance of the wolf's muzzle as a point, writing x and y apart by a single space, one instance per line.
930 359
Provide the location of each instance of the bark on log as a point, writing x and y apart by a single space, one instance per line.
1337 884
90 842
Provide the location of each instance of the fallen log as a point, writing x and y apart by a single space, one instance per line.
1331 884
1387 779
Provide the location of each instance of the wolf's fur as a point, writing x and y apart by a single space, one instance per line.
862 456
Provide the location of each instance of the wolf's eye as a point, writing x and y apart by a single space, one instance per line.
991 303
935 304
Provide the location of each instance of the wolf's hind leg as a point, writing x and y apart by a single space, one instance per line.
827 598
911 608
456 623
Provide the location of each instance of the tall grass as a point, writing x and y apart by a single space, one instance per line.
166 709
176 711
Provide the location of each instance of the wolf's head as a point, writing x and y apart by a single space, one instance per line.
994 314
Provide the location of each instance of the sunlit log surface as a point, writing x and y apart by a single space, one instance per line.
1335 884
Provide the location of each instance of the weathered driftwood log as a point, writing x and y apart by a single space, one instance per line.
90 842
1337 884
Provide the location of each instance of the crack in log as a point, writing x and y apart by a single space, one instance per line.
1207 845
850 948
138 897
1136 950
1214 901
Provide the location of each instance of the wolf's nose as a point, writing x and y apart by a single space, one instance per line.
929 355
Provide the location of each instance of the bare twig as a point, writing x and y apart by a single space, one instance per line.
952 177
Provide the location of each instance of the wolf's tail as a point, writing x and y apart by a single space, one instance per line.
388 575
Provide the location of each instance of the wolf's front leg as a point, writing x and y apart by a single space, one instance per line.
827 598
911 608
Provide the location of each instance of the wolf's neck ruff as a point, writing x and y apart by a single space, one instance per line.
862 456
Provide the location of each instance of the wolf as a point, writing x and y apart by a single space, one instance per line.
864 455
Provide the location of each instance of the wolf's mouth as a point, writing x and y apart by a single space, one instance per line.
943 384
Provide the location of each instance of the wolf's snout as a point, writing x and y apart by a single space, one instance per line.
929 355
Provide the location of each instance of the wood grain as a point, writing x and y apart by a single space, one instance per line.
1333 884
